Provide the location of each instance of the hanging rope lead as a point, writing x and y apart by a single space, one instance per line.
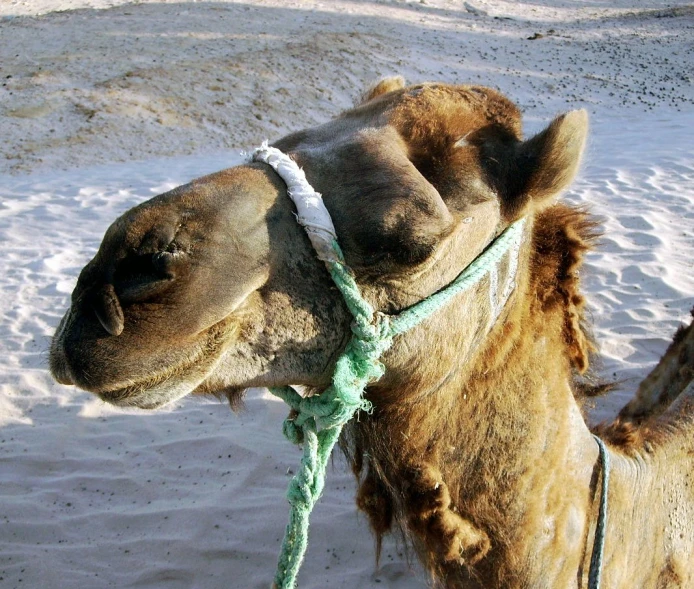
316 422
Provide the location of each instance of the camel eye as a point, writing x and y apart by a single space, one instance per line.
140 276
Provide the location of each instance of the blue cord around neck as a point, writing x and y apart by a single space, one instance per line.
597 556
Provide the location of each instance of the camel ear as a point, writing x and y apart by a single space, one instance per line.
546 164
382 87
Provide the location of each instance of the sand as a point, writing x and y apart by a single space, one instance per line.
104 104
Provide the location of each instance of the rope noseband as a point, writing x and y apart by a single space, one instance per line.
316 421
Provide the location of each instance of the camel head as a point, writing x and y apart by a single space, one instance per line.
214 288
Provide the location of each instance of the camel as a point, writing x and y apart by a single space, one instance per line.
477 448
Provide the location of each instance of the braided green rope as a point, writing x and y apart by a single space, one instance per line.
318 420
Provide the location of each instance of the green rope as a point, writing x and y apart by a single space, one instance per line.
468 278
316 422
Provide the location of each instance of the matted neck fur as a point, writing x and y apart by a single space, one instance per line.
477 447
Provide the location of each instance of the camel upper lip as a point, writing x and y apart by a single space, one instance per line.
61 373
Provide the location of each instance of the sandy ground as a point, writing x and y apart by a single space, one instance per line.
114 83
106 103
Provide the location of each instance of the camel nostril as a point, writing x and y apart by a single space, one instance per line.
139 277
164 263
108 310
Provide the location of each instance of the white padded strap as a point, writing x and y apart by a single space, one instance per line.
311 211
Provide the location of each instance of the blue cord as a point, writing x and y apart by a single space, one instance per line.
596 559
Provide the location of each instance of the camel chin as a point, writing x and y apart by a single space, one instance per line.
148 398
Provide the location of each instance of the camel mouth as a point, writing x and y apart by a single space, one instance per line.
177 381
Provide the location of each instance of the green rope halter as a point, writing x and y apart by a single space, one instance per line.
316 421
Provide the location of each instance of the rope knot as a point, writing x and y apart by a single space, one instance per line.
300 492
292 431
368 329
371 338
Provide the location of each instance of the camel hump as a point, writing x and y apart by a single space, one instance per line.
670 385
662 410
383 86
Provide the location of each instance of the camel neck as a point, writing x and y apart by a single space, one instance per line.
508 409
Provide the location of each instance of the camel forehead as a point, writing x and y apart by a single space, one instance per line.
421 114
430 108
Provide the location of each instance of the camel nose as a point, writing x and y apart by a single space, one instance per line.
108 310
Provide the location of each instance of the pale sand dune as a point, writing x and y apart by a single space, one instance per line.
192 497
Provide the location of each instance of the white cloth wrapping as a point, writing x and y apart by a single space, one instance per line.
310 208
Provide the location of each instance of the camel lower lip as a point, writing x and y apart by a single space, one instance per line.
125 398
152 392
153 396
